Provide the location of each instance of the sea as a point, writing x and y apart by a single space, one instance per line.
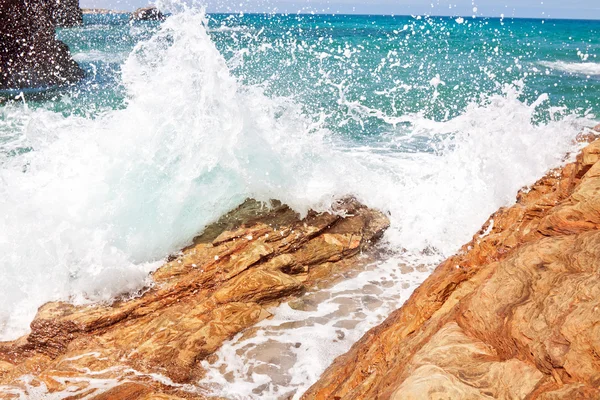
436 121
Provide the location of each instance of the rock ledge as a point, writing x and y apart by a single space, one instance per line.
252 258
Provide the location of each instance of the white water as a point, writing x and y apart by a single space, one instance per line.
583 68
437 202
291 349
97 55
99 203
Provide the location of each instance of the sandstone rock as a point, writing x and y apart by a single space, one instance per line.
514 315
150 346
147 14
30 54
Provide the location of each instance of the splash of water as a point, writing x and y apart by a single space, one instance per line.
97 203
436 202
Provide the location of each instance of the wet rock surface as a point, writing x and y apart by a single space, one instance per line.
514 315
30 54
66 13
151 346
147 14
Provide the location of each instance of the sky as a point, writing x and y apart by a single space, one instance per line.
584 9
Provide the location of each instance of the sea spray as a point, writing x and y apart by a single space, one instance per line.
96 204
88 206
436 201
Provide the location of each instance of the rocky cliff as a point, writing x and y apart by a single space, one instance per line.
514 315
150 346
30 54
66 13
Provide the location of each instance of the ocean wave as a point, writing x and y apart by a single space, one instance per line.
436 202
98 203
581 68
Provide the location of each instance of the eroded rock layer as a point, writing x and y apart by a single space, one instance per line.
150 346
514 315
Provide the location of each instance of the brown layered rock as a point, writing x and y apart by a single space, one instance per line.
514 315
30 54
150 346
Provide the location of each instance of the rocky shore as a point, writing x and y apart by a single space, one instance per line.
514 315
30 54
150 346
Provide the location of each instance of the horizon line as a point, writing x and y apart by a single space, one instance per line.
466 17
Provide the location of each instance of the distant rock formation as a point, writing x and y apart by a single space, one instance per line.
252 258
95 11
147 14
30 54
514 315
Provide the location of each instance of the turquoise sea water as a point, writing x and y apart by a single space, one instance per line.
386 64
436 121
362 72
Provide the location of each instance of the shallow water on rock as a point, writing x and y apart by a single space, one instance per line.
284 355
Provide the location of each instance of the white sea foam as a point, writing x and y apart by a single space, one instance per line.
582 68
99 203
437 201
98 55
291 350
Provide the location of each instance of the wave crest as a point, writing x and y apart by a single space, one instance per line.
582 68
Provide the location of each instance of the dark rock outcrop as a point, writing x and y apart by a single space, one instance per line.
147 14
514 315
66 13
30 54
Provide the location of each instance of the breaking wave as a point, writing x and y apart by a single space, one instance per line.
90 205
